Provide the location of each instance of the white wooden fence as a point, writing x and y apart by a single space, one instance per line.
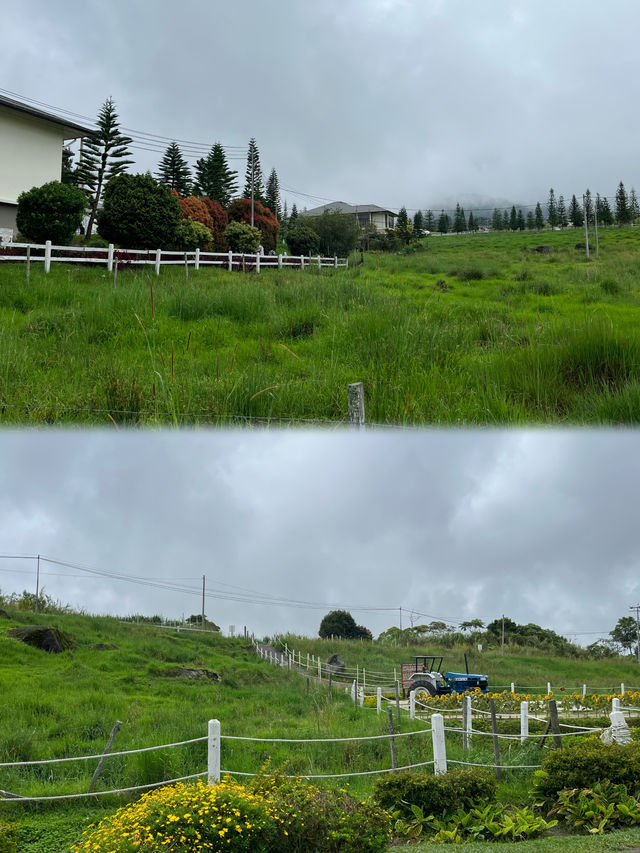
112 257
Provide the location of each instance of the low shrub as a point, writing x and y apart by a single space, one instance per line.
191 235
434 795
51 212
604 807
8 838
241 237
138 213
584 764
273 815
493 822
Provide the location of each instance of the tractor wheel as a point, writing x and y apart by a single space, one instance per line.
423 690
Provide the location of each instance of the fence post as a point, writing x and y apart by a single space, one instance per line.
622 687
110 257
213 752
196 264
469 726
439 745
258 262
548 687
361 696
230 260
28 271
615 706
307 661
412 705
398 702
496 744
524 721
364 678
47 256
301 262
392 742
319 669
379 699
513 687
355 394
555 725
584 690
319 262
280 261
335 260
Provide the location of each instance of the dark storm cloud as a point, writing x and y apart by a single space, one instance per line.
538 525
384 101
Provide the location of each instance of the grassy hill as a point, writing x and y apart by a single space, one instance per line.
474 329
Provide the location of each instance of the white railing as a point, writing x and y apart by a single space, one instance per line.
112 258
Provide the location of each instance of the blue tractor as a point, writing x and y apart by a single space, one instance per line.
426 679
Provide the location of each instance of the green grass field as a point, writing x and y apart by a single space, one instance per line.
65 705
477 329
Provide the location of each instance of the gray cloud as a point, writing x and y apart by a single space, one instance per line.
392 102
539 525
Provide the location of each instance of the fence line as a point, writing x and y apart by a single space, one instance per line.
112 258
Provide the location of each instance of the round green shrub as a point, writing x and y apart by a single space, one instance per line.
302 240
51 212
242 237
434 795
192 235
139 213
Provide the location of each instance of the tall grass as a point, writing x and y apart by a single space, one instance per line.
476 329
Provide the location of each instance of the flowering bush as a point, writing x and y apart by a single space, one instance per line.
276 816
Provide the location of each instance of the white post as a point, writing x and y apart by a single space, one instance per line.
230 260
197 261
280 262
548 687
307 661
361 696
319 263
468 720
257 261
395 676
158 259
622 687
513 687
412 705
584 690
357 674
47 256
313 658
110 258
335 260
213 752
615 706
301 262
524 721
439 746
353 690
364 677
319 669
379 699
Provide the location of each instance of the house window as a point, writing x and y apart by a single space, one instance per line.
363 219
389 221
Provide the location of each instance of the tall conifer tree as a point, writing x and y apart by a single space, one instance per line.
552 209
253 174
538 217
214 178
622 205
174 172
272 195
576 215
105 154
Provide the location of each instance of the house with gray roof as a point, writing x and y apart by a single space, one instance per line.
365 214
31 143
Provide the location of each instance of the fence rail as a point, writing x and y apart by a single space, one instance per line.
111 257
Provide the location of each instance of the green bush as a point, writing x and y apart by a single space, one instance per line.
274 815
8 838
302 240
338 233
604 807
434 795
192 235
242 237
51 212
492 822
138 213
583 764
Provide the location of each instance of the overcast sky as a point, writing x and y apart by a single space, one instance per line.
391 102
539 525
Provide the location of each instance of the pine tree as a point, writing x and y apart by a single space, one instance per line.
418 224
538 217
471 222
403 228
520 220
588 206
444 223
605 216
214 178
552 209
272 197
459 220
622 205
294 214
69 174
562 213
506 220
496 221
253 176
634 207
576 215
513 219
174 172
531 223
429 220
285 212
105 154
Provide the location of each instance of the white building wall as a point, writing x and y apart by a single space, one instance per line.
30 153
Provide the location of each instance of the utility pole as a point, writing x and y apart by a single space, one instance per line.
636 607
35 606
203 594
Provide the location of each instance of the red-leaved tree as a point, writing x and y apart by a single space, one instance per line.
220 221
263 218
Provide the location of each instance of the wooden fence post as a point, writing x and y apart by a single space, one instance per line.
361 696
355 393
379 699
398 702
213 752
319 669
392 742
107 750
496 744
301 262
439 745
412 705
524 721
555 725
47 256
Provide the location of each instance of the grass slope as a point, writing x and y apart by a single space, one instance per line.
477 329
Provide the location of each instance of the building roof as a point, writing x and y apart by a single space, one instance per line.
74 130
343 207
